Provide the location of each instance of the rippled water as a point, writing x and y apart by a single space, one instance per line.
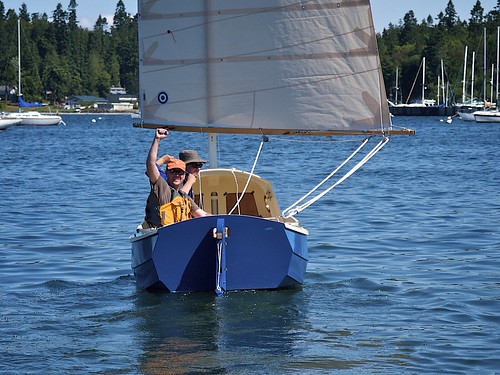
403 274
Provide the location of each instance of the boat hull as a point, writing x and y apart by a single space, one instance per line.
7 123
35 118
251 253
467 116
485 116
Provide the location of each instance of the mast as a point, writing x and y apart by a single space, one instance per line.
397 87
472 78
19 61
445 101
438 86
484 65
465 76
498 41
423 81
212 137
491 82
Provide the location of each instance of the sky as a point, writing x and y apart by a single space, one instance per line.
384 11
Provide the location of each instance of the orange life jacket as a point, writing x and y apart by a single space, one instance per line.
178 209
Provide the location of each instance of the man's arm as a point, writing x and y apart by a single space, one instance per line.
191 179
151 169
164 159
199 213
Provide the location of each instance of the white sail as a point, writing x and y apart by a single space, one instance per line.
282 66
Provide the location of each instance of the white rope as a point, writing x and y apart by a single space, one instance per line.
219 268
293 211
237 204
237 189
285 211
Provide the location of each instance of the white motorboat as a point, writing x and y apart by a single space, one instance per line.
487 116
7 123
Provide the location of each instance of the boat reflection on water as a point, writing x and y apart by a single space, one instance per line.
243 331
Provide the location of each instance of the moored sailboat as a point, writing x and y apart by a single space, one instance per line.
30 117
483 111
272 67
33 118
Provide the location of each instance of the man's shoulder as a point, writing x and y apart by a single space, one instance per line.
162 186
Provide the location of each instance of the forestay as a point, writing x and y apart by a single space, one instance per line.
270 66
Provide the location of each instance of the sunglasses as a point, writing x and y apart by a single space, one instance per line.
176 171
196 165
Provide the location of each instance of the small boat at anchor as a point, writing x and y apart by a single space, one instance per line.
29 117
33 118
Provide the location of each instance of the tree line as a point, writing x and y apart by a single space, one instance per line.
61 58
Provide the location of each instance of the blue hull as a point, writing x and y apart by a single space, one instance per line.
220 253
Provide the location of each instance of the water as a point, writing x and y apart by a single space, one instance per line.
403 278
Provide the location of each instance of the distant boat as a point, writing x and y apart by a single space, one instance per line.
467 108
422 102
487 116
280 67
467 112
33 118
7 123
30 117
492 115
422 106
466 116
480 111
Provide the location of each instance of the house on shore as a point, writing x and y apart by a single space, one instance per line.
79 102
117 101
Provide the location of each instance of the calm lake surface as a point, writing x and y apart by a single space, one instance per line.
403 277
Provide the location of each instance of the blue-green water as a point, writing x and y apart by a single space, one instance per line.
403 277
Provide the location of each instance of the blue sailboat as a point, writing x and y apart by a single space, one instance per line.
274 67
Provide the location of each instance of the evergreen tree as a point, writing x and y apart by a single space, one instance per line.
477 14
450 18
125 42
59 17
